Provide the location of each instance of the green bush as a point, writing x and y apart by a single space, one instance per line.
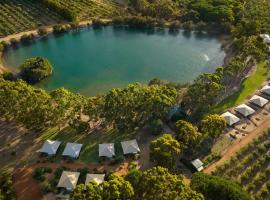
42 31
156 127
34 70
59 28
214 187
39 172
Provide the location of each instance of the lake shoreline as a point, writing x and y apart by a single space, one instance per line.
224 40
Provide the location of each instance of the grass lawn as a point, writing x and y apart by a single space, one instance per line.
89 152
248 87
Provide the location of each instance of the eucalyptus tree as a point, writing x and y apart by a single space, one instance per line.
163 151
137 104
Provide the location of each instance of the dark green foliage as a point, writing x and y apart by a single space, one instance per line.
34 70
164 9
39 173
202 94
215 11
156 127
6 190
9 76
3 46
59 28
67 13
213 187
137 104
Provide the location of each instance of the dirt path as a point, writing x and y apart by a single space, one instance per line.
238 145
27 188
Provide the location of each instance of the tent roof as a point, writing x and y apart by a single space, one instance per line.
266 89
198 164
50 147
244 110
72 150
98 178
230 118
130 146
106 150
260 101
68 180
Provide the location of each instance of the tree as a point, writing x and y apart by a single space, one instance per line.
213 125
158 184
202 94
137 104
163 151
34 70
213 187
186 132
116 188
6 190
89 192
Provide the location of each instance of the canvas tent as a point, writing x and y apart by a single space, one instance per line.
230 118
130 147
68 180
106 150
72 150
266 89
50 147
244 110
197 164
259 101
98 178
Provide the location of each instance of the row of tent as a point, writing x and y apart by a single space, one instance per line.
50 147
246 110
68 179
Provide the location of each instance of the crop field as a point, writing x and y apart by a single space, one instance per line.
251 167
22 15
83 9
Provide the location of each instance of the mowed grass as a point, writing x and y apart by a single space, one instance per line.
89 152
247 88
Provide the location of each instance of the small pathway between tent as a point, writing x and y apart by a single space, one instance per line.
27 188
233 149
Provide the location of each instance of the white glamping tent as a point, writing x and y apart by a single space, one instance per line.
50 147
98 178
72 150
130 147
106 150
244 110
266 89
259 101
68 180
230 118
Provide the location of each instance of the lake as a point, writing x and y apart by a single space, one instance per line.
92 61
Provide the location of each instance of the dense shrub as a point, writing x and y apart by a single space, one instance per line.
34 70
214 187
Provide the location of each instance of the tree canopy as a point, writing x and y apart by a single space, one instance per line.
213 125
34 70
213 187
137 104
186 132
163 151
158 184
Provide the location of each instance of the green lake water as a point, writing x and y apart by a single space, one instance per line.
93 61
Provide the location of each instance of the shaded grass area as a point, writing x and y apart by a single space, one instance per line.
89 152
247 88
